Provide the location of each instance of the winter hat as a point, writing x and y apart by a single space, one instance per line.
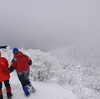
15 50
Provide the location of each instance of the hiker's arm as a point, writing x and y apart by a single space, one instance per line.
30 62
4 47
11 68
13 64
28 59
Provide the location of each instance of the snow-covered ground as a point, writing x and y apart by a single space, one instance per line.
43 90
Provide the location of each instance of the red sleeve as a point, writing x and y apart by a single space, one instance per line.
14 64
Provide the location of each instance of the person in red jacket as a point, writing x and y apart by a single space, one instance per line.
21 63
4 77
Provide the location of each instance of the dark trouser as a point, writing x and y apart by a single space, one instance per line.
7 85
24 77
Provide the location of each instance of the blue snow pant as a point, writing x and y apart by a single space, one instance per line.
24 78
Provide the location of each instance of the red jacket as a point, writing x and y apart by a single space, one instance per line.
3 64
20 62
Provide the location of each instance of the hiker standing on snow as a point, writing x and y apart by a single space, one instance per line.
22 63
4 77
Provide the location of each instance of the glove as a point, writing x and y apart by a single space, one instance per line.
3 47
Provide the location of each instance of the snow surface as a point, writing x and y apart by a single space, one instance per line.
43 90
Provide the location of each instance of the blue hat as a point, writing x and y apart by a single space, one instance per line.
15 50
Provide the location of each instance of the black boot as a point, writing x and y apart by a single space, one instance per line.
9 95
1 96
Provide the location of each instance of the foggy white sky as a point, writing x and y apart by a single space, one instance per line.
46 24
